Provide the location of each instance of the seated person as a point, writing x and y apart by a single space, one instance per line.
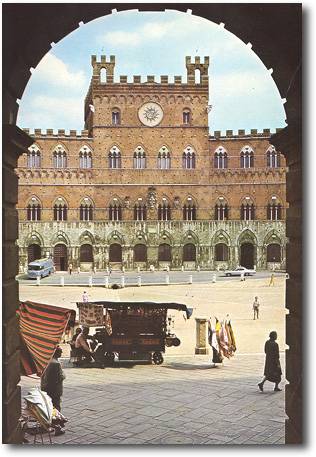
82 346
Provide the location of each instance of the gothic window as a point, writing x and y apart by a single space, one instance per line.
246 157
273 158
60 210
220 158
86 210
140 211
103 75
197 76
114 157
247 210
85 157
189 252
163 158
116 117
115 211
140 253
189 210
221 252
139 158
188 158
33 157
186 117
59 157
33 210
164 211
221 210
164 253
274 252
274 210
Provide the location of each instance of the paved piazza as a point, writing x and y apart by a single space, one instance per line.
185 400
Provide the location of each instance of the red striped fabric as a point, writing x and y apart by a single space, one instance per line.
41 329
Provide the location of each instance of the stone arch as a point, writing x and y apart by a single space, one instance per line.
221 236
86 237
189 237
60 237
166 237
115 237
34 238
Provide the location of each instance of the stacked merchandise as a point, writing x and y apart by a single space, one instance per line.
221 338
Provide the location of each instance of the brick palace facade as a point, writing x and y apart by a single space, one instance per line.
146 184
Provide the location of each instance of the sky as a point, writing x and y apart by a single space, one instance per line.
243 94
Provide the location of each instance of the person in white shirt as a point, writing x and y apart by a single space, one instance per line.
85 297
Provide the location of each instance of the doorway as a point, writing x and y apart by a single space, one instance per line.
33 252
247 255
61 257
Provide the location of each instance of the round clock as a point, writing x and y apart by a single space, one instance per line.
150 114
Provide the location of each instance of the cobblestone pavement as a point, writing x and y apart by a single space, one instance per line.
183 401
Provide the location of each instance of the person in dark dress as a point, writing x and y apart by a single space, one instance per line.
272 367
52 379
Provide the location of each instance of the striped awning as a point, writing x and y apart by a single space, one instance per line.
41 329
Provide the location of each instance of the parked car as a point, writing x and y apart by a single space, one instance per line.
41 268
239 270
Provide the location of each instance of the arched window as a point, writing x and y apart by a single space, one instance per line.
140 210
274 252
115 210
139 158
189 210
274 209
221 252
86 210
116 116
103 75
220 158
221 210
247 210
164 211
186 116
189 252
85 157
197 76
33 157
33 212
163 158
59 157
273 158
60 210
188 158
140 253
164 252
114 157
86 253
246 157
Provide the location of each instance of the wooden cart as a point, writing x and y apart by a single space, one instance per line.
134 330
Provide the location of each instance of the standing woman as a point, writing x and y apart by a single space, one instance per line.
272 367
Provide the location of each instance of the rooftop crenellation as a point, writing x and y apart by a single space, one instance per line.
57 133
241 133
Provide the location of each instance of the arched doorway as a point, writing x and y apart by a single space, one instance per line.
274 253
33 252
115 254
164 252
140 253
86 253
189 252
247 255
61 257
221 252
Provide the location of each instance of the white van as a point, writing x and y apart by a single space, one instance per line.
41 268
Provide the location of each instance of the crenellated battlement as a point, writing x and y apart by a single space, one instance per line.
229 134
60 133
103 73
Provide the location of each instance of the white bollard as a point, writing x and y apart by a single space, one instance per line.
90 281
214 278
138 269
198 268
242 277
62 281
123 281
123 269
139 281
182 268
190 279
167 280
38 280
106 282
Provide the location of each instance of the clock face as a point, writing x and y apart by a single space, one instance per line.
150 114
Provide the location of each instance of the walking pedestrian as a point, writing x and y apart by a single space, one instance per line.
272 367
255 307
78 270
271 283
85 297
94 269
70 268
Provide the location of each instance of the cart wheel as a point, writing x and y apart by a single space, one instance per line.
157 358
109 358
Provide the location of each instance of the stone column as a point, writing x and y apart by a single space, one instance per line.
201 335
15 142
